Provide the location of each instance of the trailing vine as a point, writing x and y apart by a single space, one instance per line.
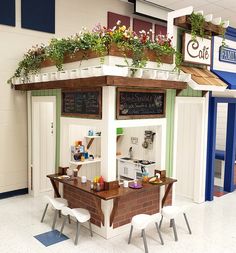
197 21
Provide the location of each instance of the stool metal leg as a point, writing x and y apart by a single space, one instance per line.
145 241
189 229
161 221
159 233
77 233
174 229
69 219
54 220
142 233
63 225
90 228
44 212
130 234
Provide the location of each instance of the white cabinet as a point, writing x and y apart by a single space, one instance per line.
127 169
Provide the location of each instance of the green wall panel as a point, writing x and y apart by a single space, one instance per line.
57 93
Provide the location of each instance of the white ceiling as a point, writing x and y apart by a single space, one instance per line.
219 8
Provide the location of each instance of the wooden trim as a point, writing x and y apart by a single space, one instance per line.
184 22
166 194
97 202
114 210
90 143
141 116
80 115
56 191
99 81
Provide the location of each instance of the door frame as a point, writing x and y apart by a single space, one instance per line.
230 145
199 175
30 100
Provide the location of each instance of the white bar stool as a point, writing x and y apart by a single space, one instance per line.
171 212
140 222
82 215
57 204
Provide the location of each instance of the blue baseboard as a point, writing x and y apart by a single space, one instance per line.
14 193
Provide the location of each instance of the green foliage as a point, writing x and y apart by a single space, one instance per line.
197 21
100 40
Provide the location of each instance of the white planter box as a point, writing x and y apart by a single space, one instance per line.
45 77
74 73
149 74
106 70
136 73
86 72
162 75
63 75
53 76
37 78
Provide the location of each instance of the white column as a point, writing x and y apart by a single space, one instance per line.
108 136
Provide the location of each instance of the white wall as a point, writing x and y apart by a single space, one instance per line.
221 125
70 17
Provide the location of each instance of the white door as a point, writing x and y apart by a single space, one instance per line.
190 147
43 142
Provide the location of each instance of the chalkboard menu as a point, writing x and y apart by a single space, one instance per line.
140 103
83 103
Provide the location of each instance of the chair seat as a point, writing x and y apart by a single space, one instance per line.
58 203
171 212
81 214
141 221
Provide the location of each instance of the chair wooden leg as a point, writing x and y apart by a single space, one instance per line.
44 212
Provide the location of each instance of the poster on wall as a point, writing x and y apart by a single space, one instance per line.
196 51
140 103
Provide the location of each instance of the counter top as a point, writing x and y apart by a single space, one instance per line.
110 194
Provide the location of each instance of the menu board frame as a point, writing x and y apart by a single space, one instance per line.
82 115
120 116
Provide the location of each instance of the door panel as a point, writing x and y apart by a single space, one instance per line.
43 142
189 150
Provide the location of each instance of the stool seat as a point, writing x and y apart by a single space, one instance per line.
141 221
171 212
82 215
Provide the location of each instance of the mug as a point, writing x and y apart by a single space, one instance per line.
83 179
126 184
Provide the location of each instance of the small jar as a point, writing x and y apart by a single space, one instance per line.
75 172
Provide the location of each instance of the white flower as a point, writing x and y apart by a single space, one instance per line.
118 22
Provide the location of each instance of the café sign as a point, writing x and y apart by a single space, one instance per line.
227 54
196 51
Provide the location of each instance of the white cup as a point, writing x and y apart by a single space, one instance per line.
126 184
83 179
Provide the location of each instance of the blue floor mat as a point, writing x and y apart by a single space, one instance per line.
50 238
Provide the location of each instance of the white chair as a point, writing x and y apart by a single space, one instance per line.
171 212
140 222
57 204
82 215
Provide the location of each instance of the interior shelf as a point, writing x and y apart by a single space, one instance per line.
95 160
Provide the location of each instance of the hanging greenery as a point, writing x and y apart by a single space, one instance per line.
197 21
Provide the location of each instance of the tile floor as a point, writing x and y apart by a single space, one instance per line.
213 226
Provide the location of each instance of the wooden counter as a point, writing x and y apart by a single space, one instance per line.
116 195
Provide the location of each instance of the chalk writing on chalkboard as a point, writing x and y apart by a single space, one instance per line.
82 103
140 103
